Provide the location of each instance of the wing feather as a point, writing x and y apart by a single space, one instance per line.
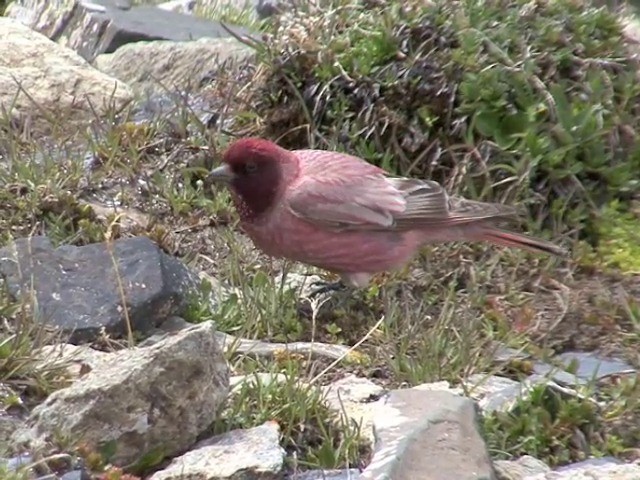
346 193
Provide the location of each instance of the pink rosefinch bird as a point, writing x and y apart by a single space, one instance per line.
344 215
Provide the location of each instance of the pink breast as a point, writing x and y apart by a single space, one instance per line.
295 239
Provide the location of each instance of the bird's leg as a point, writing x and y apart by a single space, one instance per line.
326 287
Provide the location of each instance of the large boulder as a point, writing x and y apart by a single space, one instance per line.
174 66
80 291
42 81
152 401
102 26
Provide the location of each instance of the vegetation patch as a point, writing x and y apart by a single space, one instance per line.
313 435
560 429
29 377
535 102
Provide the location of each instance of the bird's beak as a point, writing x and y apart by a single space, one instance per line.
220 174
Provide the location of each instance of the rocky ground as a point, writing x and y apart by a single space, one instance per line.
143 336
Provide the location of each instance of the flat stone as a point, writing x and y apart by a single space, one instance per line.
78 291
590 366
40 79
159 66
520 468
556 374
607 471
142 401
239 454
494 393
590 462
76 475
186 7
18 462
427 434
100 26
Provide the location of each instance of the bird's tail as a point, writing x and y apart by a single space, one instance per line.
519 240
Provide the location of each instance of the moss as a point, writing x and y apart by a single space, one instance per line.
517 100
619 238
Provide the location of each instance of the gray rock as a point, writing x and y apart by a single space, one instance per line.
186 7
154 67
76 475
520 468
427 434
556 374
591 462
591 366
18 462
252 453
41 79
9 422
143 401
123 4
166 328
100 26
302 284
78 291
494 393
607 471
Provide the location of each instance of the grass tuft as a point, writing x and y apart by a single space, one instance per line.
313 435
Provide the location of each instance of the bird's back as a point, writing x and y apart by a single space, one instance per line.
325 163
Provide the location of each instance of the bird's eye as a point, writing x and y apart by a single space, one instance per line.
250 167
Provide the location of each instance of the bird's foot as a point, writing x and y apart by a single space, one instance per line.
323 288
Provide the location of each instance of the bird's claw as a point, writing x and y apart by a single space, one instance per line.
325 287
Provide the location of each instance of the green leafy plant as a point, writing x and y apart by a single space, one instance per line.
546 425
509 99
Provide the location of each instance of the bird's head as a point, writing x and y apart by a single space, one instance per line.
257 171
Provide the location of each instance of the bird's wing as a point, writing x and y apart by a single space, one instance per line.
429 205
343 192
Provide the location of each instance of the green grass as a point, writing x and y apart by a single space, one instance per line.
29 377
313 435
